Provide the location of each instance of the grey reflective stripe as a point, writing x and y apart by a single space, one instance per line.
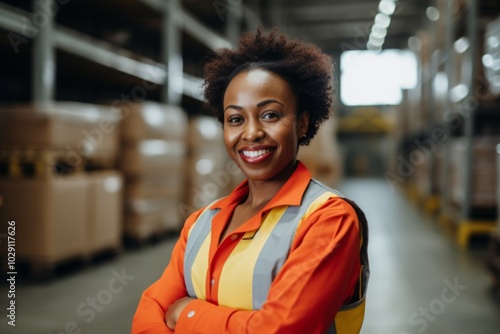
275 250
198 234
332 329
327 188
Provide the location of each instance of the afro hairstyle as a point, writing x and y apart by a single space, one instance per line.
304 66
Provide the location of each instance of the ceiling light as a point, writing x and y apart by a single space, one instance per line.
372 47
376 41
414 43
387 7
378 32
382 20
432 13
461 45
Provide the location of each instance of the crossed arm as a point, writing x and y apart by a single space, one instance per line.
318 277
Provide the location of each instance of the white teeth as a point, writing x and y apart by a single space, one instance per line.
254 154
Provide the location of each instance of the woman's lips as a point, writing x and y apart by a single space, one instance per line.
256 156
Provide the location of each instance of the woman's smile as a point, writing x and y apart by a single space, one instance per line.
256 155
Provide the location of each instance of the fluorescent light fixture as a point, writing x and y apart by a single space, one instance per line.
493 41
372 47
414 43
432 13
382 20
386 7
440 84
461 45
487 60
376 41
459 92
378 32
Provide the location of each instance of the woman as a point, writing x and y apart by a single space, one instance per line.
281 253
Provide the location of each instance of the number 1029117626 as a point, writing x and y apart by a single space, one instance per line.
11 245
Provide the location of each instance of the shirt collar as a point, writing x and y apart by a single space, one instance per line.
290 194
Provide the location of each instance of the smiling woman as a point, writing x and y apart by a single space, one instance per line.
282 253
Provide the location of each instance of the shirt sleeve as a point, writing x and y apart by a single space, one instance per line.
149 317
318 277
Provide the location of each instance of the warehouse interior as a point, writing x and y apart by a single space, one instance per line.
106 148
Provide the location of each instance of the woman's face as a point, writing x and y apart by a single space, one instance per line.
261 127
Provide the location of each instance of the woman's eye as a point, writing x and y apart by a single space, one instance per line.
270 115
234 119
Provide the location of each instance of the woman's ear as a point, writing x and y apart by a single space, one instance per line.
303 123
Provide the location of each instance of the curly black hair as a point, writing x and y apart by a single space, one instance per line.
308 71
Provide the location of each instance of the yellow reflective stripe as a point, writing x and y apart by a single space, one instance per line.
199 269
316 204
349 321
237 273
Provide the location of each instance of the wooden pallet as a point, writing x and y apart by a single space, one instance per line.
430 205
44 269
40 164
493 261
461 231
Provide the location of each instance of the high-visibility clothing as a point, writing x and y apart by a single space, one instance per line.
289 269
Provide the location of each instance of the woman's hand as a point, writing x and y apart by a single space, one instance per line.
174 311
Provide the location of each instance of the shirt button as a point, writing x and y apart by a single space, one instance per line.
234 237
212 282
191 314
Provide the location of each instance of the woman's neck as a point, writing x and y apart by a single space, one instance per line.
261 192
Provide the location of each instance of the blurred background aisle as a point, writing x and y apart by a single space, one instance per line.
105 149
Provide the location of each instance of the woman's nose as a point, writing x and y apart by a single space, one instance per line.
253 131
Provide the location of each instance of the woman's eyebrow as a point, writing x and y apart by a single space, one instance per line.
260 104
233 107
263 103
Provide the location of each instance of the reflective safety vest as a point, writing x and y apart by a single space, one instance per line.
273 242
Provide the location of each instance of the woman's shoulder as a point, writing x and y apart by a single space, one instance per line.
330 201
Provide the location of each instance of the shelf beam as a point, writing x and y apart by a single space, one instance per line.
11 19
17 21
43 58
172 54
472 33
191 25
449 67
105 54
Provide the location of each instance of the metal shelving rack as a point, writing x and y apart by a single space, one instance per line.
168 73
461 219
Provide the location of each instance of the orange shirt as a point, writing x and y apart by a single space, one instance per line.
318 277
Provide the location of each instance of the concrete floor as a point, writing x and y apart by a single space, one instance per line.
420 282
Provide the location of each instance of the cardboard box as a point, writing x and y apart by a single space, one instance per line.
483 193
105 207
498 189
149 216
156 185
83 129
153 156
322 155
205 133
51 217
150 120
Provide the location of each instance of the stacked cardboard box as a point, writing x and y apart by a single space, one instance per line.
483 185
61 210
81 131
493 256
153 158
212 174
322 156
498 188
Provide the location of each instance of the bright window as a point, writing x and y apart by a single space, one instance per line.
376 78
